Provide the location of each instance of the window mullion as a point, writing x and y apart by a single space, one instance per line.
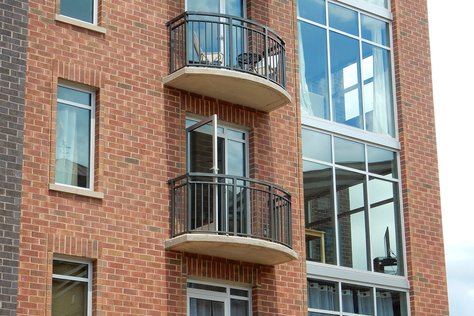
365 41
78 105
335 204
361 83
339 292
70 278
374 297
328 54
367 221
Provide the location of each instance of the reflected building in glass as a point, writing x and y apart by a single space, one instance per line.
352 149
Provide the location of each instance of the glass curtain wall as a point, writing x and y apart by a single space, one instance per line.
351 204
345 66
351 178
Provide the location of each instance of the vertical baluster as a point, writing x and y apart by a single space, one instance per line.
207 36
182 216
264 215
256 48
272 214
190 45
276 218
193 206
173 206
234 200
242 206
288 210
188 204
180 219
231 40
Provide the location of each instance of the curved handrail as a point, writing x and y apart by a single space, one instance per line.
230 205
237 18
201 39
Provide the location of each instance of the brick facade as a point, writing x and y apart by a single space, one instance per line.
140 145
13 25
419 164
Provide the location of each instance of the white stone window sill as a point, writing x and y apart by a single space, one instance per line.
75 22
76 190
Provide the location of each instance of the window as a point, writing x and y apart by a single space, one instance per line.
75 119
231 7
206 299
345 66
336 297
351 204
83 10
72 287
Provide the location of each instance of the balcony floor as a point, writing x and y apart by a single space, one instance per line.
232 247
230 85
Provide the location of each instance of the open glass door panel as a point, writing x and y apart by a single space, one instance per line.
203 193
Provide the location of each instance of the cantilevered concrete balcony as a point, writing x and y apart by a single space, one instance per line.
231 217
228 58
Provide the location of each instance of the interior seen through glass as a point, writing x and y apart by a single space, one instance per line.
73 137
356 299
358 185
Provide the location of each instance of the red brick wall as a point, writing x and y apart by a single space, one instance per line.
419 164
140 145
140 133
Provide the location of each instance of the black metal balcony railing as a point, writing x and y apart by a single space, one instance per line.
229 42
229 205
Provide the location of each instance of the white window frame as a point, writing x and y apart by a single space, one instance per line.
87 280
95 14
373 289
216 296
91 108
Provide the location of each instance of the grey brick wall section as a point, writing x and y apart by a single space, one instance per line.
13 42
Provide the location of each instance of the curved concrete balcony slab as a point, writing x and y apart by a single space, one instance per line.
229 85
228 58
231 217
232 247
